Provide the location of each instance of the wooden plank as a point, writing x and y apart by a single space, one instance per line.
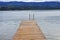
29 30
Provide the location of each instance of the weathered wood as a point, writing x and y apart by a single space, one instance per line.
29 30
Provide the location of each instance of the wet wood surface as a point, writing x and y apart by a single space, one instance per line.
29 30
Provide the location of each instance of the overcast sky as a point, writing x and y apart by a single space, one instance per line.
29 0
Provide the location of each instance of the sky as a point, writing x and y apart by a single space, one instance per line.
29 0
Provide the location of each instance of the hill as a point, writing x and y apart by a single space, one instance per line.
29 5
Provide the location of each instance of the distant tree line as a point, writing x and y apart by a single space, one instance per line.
29 5
25 8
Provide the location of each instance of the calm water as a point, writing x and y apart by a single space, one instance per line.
48 21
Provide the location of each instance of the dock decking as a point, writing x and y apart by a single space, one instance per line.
29 30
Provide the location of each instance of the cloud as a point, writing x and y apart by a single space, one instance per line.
29 0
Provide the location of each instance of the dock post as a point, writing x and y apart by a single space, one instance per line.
33 17
29 16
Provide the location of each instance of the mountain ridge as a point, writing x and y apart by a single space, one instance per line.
30 5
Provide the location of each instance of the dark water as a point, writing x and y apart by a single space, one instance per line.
48 21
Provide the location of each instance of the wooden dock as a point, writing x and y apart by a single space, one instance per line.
29 30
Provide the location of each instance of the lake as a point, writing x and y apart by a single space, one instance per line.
47 20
